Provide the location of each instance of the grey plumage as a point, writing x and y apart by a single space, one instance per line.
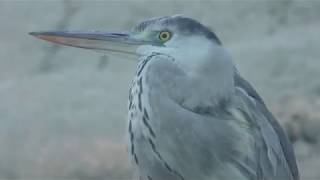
269 159
284 141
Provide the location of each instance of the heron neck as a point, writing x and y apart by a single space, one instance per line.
205 88
212 77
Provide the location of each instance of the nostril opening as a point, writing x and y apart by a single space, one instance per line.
119 34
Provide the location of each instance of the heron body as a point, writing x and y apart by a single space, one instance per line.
170 141
191 115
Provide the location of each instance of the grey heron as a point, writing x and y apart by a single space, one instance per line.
191 116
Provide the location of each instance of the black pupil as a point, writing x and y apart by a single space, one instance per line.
164 35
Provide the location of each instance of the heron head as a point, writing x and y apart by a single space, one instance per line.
187 40
183 38
174 32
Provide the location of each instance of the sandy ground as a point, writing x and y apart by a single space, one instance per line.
63 110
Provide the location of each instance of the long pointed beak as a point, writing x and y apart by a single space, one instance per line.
108 41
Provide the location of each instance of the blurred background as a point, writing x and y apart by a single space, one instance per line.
63 110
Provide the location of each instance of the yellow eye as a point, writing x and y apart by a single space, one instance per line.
164 36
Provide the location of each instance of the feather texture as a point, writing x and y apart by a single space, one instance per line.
230 140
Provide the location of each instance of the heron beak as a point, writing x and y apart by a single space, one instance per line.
95 40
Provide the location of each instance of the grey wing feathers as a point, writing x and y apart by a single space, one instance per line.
271 130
